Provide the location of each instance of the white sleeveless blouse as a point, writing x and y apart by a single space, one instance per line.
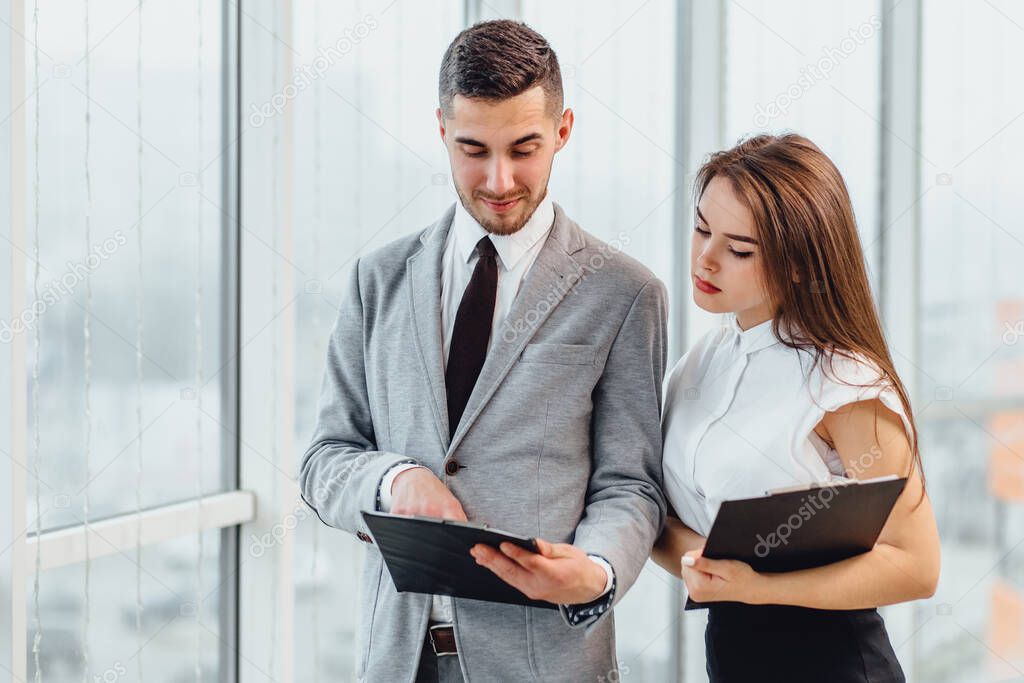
739 416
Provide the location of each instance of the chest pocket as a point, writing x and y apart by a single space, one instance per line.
559 354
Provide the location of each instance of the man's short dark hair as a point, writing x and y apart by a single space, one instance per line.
496 60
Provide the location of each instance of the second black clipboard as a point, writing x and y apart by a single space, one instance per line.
803 527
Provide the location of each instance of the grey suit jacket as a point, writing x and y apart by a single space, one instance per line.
561 439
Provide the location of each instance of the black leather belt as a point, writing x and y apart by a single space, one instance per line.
442 639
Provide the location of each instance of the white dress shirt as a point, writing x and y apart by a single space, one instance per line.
739 418
516 254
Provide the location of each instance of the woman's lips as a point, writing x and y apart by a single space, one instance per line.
705 286
501 207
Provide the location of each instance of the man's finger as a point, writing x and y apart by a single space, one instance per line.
452 507
523 558
551 550
554 550
507 570
455 512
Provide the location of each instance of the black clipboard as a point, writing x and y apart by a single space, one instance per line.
822 524
428 555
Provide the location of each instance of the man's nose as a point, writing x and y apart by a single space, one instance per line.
499 178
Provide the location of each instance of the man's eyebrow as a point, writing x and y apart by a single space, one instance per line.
526 138
738 238
476 143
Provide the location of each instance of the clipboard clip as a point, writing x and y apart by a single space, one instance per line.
829 484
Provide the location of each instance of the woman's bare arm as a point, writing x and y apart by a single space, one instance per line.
904 564
676 539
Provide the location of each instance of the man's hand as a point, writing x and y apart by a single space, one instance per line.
561 573
418 492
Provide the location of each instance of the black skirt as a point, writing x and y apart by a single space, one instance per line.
796 644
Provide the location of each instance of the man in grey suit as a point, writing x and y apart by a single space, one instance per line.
500 366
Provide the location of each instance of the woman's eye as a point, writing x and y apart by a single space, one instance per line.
702 232
742 254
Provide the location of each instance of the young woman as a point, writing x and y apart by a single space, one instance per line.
798 387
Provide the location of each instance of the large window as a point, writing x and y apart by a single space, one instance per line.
970 362
180 184
811 68
128 305
176 632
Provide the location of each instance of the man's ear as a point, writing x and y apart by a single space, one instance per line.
440 122
564 129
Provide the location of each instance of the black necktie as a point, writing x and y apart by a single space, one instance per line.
468 347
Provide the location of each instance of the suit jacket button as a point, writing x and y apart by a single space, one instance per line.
451 467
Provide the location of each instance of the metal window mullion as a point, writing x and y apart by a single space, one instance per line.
270 639
899 213
898 236
700 125
700 122
228 559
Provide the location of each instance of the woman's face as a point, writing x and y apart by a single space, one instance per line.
725 263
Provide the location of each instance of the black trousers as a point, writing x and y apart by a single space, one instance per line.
797 645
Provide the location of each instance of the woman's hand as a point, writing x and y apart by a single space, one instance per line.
720 580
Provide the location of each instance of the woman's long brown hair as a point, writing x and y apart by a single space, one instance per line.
806 227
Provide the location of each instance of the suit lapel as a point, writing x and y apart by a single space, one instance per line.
549 281
424 269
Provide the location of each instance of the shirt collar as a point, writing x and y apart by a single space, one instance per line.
510 248
758 337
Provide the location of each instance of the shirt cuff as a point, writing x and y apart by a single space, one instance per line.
578 614
388 480
601 562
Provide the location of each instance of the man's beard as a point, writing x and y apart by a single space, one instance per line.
497 227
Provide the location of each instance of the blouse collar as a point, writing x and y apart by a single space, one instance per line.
756 338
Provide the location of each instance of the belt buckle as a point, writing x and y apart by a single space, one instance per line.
433 643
